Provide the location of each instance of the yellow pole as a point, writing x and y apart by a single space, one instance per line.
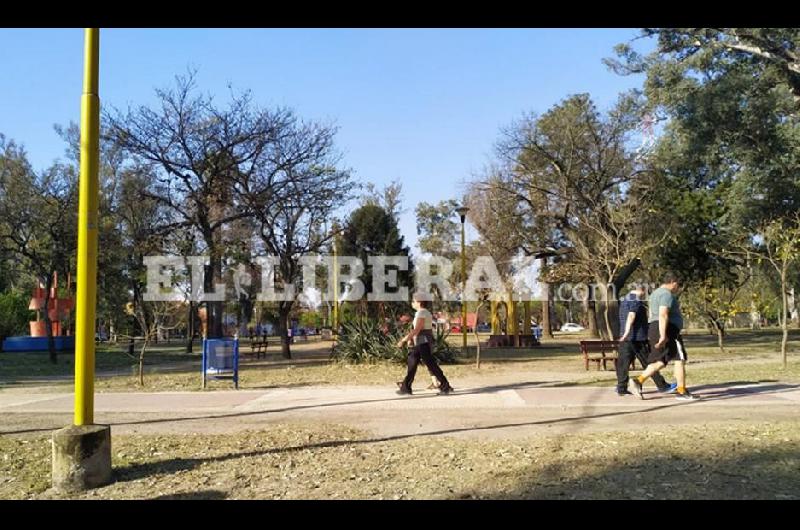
87 233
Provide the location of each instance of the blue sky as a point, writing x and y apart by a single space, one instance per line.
422 106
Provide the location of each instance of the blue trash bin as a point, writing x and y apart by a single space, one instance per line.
221 360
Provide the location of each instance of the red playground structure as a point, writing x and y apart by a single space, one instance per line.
58 309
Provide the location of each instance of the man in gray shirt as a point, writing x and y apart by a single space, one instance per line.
664 334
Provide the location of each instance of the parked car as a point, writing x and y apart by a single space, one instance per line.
571 327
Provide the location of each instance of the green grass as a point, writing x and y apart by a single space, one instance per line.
697 374
750 355
20 365
726 460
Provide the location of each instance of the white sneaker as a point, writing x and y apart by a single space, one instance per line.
635 387
686 396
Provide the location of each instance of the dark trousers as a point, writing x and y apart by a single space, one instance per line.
627 351
423 352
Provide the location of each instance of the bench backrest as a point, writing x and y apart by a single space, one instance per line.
598 346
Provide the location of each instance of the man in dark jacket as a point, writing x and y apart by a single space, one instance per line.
633 342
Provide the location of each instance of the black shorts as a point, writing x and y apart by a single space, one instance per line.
673 349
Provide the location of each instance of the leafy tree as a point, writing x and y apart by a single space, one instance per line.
372 231
731 144
38 219
390 199
776 244
771 53
439 229
14 314
582 191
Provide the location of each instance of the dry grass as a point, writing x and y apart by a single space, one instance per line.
302 461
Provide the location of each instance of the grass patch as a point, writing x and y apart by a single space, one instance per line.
707 373
21 365
750 355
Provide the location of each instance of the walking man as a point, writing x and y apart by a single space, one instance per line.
664 334
633 342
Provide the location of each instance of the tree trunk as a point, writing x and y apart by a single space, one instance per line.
211 275
141 360
610 325
513 321
48 324
190 328
606 332
617 284
547 329
719 328
477 338
283 328
135 287
795 317
526 317
247 310
622 276
591 315
785 321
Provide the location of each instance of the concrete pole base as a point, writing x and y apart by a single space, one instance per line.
81 457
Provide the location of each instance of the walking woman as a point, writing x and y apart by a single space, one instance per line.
422 335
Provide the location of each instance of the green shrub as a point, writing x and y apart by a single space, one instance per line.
14 314
442 350
364 340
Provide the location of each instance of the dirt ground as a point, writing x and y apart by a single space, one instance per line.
512 430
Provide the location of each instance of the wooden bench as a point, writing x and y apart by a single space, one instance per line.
259 345
600 351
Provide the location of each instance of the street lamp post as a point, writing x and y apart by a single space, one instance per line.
335 319
82 452
87 234
462 212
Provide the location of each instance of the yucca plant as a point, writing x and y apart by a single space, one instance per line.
365 340
442 350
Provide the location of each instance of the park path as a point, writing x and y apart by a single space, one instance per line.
525 404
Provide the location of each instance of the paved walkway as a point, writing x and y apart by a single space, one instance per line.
504 410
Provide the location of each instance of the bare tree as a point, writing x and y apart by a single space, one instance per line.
292 198
197 151
152 319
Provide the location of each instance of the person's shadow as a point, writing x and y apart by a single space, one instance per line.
738 389
193 495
